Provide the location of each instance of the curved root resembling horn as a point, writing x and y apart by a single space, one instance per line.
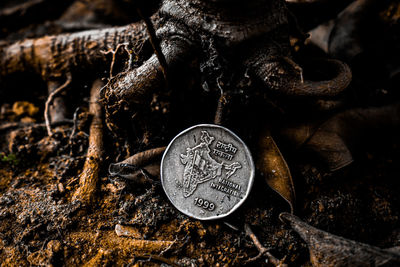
326 88
285 77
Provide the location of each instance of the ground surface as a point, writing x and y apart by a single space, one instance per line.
40 224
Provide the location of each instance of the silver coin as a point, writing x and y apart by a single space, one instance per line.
207 172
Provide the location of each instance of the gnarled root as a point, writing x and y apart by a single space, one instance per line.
133 86
88 180
282 75
341 79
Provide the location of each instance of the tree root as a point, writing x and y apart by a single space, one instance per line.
340 81
135 85
143 158
140 167
284 76
53 56
88 180
143 245
108 242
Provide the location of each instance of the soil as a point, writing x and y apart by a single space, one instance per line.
41 225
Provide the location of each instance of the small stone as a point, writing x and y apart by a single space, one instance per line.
60 187
127 231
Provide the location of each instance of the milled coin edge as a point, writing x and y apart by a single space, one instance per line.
252 174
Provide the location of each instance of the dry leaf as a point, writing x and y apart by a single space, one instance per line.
328 141
274 168
330 250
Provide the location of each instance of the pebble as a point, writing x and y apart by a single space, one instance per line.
127 231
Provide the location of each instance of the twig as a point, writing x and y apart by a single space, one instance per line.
222 101
261 249
233 227
220 109
75 126
49 101
168 248
72 180
155 43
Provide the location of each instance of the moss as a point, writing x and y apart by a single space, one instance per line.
9 159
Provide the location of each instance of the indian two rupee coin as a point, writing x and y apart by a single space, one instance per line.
207 172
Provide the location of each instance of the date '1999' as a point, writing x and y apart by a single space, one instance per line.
205 204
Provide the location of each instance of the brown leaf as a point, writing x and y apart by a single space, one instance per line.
330 250
274 168
329 140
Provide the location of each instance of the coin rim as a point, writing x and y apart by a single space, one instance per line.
251 163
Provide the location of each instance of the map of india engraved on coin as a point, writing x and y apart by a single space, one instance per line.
207 172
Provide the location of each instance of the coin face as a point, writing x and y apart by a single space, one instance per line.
207 172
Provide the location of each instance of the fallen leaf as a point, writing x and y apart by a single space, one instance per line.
274 168
329 140
330 250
